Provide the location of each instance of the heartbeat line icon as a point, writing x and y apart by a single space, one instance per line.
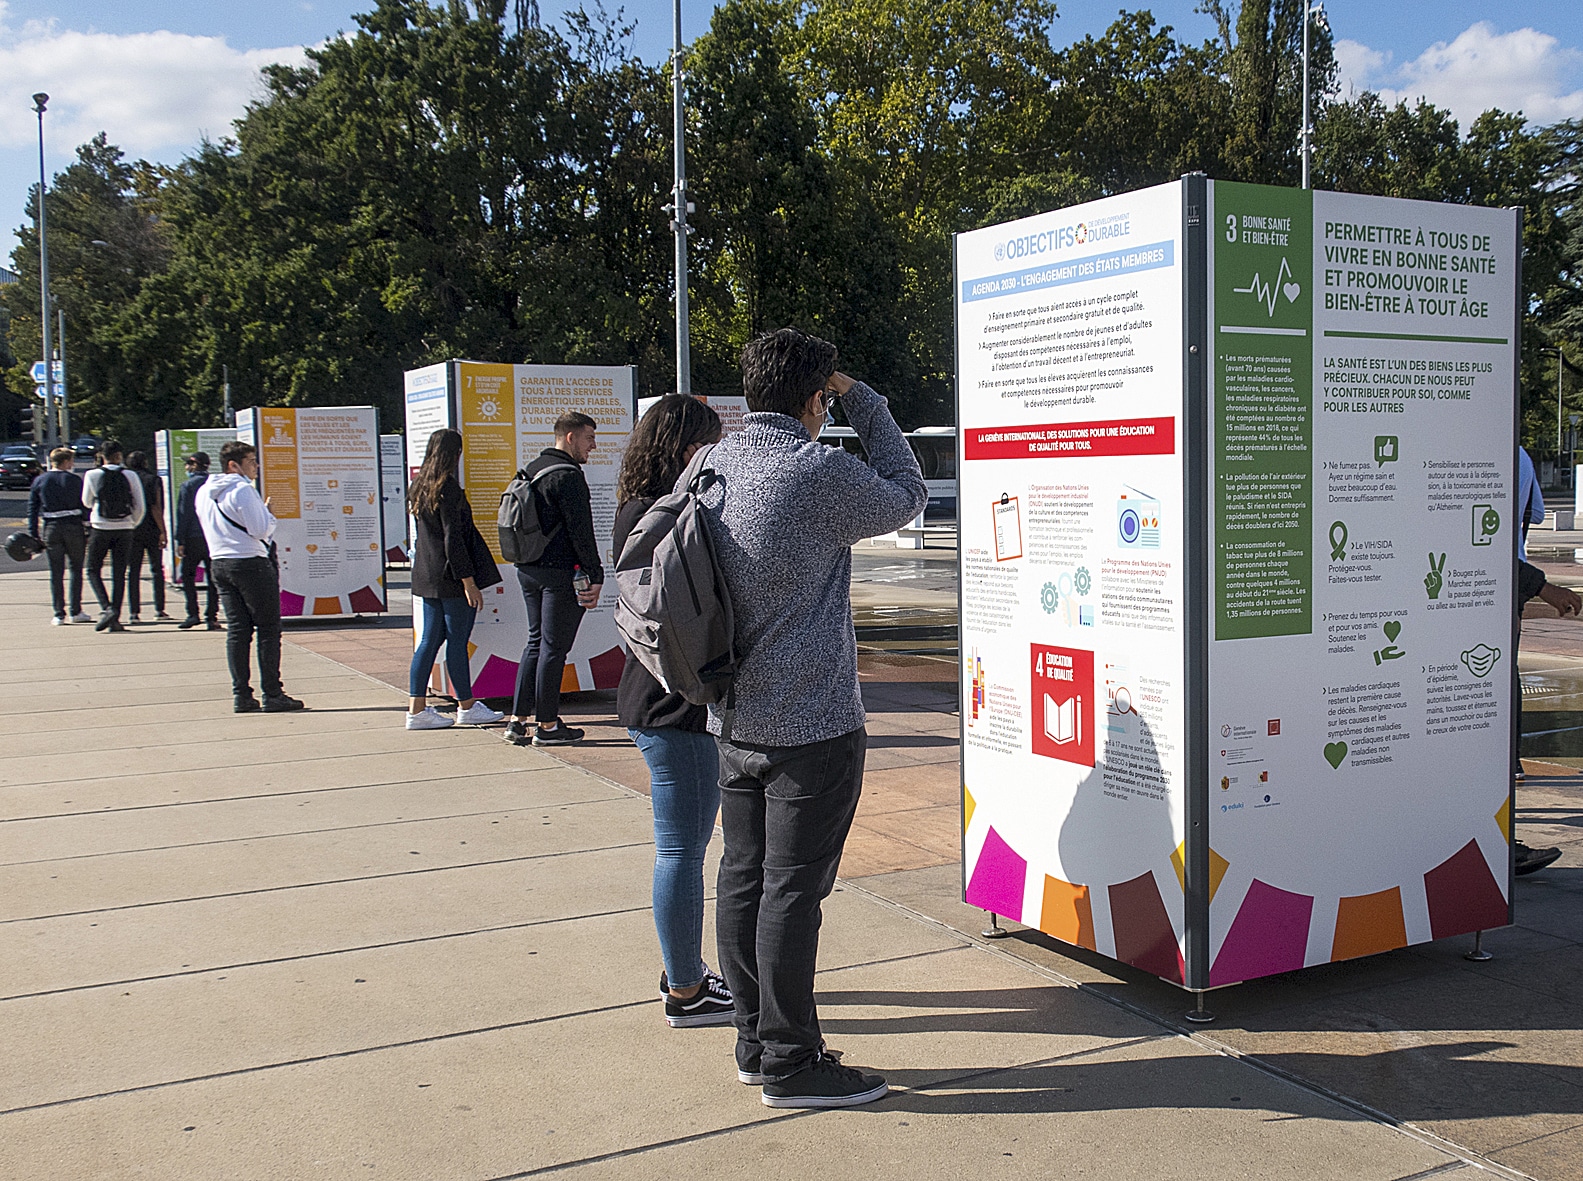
1267 293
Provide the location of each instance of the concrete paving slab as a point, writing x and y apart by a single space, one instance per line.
65 725
97 834
272 863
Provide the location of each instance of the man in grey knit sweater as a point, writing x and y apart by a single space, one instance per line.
784 516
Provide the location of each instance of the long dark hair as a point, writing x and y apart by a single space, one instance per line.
439 465
657 449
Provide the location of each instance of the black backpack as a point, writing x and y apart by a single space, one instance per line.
114 497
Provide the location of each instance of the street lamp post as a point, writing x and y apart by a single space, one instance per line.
51 433
680 207
1309 14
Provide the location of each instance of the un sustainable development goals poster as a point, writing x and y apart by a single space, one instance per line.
1069 331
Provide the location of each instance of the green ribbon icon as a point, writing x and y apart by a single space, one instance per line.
1338 545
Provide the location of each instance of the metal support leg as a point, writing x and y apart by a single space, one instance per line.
1478 955
1200 1015
993 931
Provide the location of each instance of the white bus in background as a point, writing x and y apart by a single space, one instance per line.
935 447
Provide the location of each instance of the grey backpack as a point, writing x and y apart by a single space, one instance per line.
522 536
673 607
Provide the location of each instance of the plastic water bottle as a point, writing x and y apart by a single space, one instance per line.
580 580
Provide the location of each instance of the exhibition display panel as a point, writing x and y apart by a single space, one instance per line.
319 468
506 415
171 449
393 495
1238 543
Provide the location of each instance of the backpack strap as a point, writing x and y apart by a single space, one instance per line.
698 475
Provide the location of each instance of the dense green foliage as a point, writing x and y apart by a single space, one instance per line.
453 180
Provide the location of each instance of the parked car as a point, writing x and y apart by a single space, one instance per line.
18 466
84 447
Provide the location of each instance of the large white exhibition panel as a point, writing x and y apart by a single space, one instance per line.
171 449
319 468
1237 555
393 495
506 414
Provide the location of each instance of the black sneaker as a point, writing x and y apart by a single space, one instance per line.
189 623
161 615
1531 860
516 733
826 1083
562 735
753 1078
246 705
281 704
710 1005
216 626
105 620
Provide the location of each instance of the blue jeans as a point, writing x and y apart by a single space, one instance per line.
684 786
448 622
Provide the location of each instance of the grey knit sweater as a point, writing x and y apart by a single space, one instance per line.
785 516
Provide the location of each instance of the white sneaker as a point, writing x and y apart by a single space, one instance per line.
479 714
82 617
429 719
58 620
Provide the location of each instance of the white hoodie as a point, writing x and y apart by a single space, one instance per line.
251 525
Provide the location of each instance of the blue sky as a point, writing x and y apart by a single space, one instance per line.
157 75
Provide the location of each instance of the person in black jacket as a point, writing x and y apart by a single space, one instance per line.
555 604
192 550
673 734
56 500
451 564
148 540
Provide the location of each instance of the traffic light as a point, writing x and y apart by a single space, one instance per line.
30 422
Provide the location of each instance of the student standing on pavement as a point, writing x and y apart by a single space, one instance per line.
191 549
1531 583
55 501
115 497
451 566
784 514
673 734
148 539
550 585
237 527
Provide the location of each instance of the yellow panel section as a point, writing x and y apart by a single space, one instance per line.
1369 924
569 679
968 804
1217 868
1503 817
471 648
1067 913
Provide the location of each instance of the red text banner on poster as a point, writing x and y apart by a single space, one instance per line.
1111 436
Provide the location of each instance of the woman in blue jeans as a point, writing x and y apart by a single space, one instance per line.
684 766
451 566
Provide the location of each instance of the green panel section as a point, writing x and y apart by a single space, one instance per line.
1261 244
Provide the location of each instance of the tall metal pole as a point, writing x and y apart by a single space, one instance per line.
1560 365
1306 145
51 435
680 209
63 413
225 376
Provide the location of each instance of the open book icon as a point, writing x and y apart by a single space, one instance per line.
1063 722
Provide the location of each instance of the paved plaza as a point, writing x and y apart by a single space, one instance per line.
316 945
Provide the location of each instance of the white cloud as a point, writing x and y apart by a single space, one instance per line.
1524 70
155 94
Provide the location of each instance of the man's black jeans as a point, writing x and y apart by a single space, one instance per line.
65 542
146 547
785 812
118 544
250 591
553 619
193 555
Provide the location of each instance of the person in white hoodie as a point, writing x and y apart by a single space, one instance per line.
237 527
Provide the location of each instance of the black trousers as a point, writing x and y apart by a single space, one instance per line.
118 544
553 618
250 590
193 555
65 543
146 547
785 812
